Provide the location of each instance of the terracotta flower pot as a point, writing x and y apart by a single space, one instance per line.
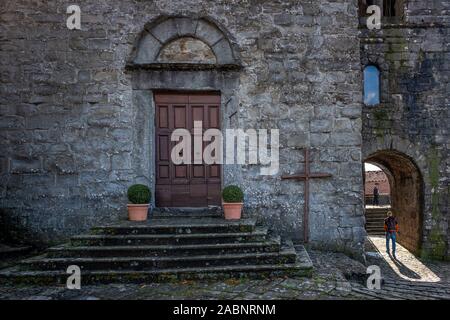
232 211
137 212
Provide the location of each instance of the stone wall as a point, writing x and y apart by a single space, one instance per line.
413 117
69 110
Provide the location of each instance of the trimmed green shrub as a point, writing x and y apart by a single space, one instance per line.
232 194
139 194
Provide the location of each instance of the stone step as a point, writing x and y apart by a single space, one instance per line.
177 213
297 269
381 215
375 227
189 247
177 226
372 229
377 208
375 223
285 256
372 219
376 215
171 239
381 231
377 220
375 233
272 245
372 223
9 252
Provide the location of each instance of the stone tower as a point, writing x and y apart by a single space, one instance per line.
407 134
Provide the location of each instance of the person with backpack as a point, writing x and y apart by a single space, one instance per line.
391 228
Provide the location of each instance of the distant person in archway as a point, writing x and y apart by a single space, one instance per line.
376 196
391 228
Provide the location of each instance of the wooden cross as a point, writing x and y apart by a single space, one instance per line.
305 176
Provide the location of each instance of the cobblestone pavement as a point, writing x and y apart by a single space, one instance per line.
335 277
406 277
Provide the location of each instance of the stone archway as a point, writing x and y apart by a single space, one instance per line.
406 194
165 30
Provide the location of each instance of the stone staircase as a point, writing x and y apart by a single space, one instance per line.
375 220
188 244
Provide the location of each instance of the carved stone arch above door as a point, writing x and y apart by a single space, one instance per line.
181 33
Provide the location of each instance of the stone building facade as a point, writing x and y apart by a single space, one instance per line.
78 112
77 109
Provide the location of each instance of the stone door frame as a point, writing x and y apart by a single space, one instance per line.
149 76
144 113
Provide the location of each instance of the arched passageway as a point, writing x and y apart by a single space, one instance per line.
406 187
377 186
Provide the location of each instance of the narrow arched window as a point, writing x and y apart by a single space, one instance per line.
394 8
389 8
363 5
371 85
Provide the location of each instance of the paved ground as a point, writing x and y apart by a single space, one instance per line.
406 277
336 277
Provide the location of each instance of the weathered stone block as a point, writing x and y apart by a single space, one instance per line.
121 161
223 52
165 31
346 139
26 165
299 140
99 44
343 125
208 33
323 125
186 26
11 122
84 76
45 121
283 19
148 49
4 165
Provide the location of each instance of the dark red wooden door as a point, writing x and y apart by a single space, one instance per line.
185 185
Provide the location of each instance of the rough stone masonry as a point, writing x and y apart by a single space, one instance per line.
76 124
77 110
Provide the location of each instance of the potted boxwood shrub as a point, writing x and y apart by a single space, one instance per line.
139 197
232 202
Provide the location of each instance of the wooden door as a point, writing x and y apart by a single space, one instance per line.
185 185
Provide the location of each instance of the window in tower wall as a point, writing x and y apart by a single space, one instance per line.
371 86
389 8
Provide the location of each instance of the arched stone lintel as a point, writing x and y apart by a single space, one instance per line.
162 31
407 194
375 157
397 145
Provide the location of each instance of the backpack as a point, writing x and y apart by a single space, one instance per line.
391 223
